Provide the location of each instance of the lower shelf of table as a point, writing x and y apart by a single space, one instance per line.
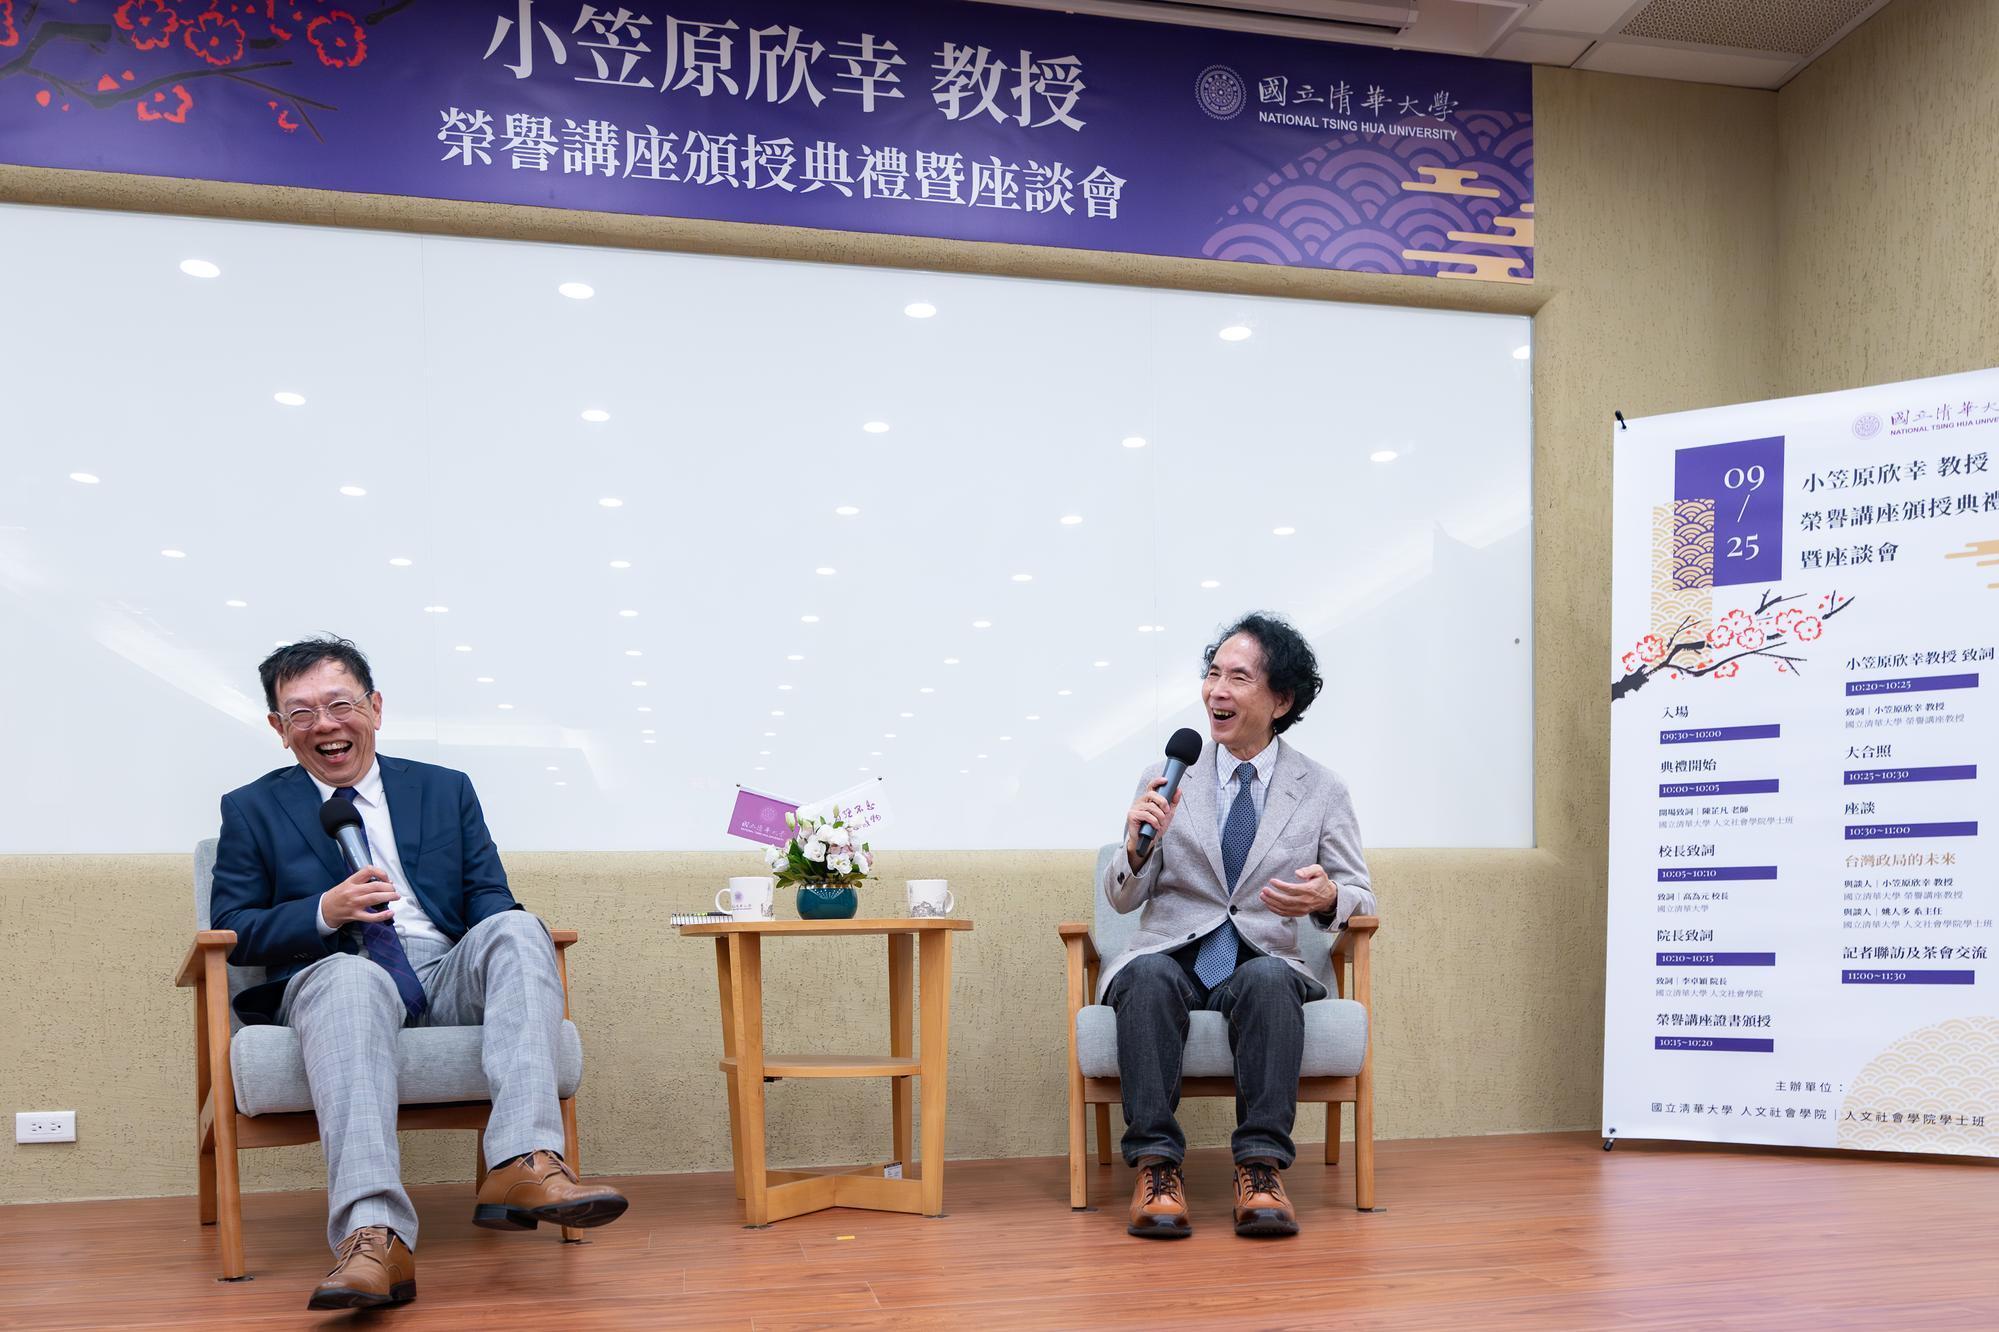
796 1192
834 1066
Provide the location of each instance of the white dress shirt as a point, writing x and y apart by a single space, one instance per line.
1259 785
405 912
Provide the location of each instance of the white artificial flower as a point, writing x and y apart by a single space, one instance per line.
840 863
837 837
863 861
775 857
815 850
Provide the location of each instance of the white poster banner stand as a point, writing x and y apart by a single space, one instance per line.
1804 746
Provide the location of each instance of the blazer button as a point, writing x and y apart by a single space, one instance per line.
1190 936
1234 909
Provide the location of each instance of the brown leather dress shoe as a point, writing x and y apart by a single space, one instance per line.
1159 1201
375 1268
541 1187
1261 1209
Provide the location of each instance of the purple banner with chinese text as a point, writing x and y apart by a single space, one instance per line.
957 120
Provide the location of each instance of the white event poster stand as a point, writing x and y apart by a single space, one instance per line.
1804 791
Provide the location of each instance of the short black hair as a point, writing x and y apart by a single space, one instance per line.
295 659
1288 662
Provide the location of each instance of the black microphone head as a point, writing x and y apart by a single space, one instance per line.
1185 745
338 812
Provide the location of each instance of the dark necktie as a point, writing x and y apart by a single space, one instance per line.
385 949
1215 960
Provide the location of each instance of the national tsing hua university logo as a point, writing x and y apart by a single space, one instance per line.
1221 92
1866 425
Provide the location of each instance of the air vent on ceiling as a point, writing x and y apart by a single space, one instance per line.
1800 27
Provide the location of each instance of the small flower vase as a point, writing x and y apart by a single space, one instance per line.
827 901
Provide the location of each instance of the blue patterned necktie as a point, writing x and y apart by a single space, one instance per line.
1215 960
385 949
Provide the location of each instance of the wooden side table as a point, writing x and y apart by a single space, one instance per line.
773 1195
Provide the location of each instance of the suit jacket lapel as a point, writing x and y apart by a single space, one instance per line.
1287 781
300 800
1197 802
405 797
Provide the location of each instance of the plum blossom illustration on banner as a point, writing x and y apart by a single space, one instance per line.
152 55
1771 632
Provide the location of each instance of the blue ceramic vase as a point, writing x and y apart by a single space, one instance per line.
818 901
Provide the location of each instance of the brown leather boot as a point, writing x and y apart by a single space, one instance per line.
1261 1209
541 1187
375 1268
1159 1201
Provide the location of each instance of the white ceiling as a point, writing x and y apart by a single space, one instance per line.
1745 43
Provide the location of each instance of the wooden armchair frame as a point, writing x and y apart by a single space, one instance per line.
221 1131
1350 950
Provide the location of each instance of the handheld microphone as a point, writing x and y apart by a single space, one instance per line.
1181 751
339 820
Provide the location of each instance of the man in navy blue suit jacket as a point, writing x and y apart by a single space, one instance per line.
427 933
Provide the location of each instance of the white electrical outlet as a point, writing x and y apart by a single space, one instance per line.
45 1126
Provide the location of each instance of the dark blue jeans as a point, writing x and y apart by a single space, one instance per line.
1264 1005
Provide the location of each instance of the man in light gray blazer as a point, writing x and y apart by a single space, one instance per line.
1257 841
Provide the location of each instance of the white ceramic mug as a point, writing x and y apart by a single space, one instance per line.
930 897
753 897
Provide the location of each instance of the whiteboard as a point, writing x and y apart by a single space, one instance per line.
617 707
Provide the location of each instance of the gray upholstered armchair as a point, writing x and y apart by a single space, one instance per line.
249 1082
1338 1066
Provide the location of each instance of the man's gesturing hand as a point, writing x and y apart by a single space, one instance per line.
1314 891
363 895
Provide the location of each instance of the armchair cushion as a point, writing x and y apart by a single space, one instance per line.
1335 1041
433 1064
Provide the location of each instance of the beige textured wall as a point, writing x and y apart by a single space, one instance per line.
1888 195
1657 292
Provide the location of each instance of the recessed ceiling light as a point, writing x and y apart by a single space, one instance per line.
611 502
1023 578
463 647
763 753
1071 519
795 656
875 427
874 753
1235 333
1134 441
506 707
862 768
437 610
562 783
84 477
645 707
552 768
577 291
1283 531
1100 664
825 571
808 619
1522 353
352 492
964 772
174 554
595 414
484 679
905 715
281 643
888 735
1064 693
926 690
919 309
629 614
1034 716
400 561
777 712
1383 455
982 624
1145 628
784 689
621 564
201 268
1211 582
287 398
638 684
846 511
236 605
770 735
978 756
647 731
950 661
1006 737
633 652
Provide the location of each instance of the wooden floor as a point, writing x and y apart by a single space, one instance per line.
1542 1231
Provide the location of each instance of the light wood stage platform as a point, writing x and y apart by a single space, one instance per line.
1538 1231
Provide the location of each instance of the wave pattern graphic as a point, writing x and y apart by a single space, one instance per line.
1682 569
1360 204
1940 1073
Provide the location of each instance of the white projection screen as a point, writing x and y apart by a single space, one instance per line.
605 621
